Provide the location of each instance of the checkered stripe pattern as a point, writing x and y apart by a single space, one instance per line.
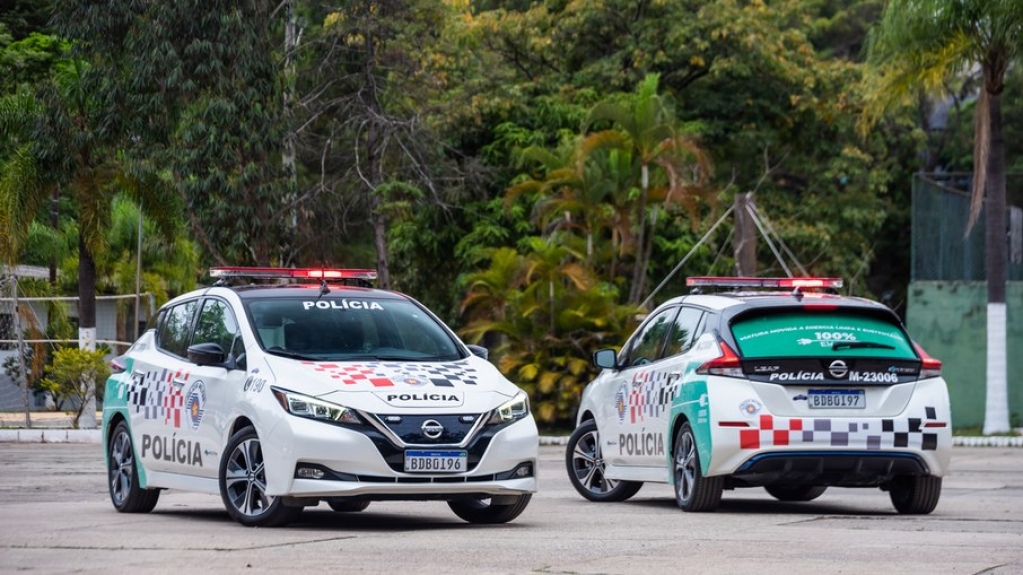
650 395
154 396
870 434
380 374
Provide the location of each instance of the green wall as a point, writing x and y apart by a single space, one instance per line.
949 320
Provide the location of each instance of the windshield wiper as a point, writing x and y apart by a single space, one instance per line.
860 345
291 354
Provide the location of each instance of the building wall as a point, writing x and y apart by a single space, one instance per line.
11 398
949 319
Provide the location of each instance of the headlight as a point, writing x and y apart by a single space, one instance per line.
304 406
512 410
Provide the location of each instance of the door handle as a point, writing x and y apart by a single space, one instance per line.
178 382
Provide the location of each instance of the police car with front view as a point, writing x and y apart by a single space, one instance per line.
279 396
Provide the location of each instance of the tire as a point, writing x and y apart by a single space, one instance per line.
585 463
915 495
243 484
484 511
346 506
123 477
795 492
693 491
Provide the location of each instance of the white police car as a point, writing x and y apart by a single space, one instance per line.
279 397
787 389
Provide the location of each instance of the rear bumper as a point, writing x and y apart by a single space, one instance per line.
831 468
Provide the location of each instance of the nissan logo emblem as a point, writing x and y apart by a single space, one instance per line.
432 428
838 369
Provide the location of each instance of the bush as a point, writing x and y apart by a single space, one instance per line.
76 373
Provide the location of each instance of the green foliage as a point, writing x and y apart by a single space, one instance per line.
74 374
544 314
30 60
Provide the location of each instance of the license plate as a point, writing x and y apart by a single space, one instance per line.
837 399
436 461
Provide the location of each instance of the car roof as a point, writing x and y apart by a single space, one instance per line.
298 289
740 301
259 291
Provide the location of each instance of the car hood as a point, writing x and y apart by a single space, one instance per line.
468 385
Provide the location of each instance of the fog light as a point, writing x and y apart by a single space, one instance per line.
524 470
309 473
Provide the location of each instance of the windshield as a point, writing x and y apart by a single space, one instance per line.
339 328
819 335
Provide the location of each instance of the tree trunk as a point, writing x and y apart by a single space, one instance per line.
639 268
291 38
996 413
87 324
19 350
380 241
55 224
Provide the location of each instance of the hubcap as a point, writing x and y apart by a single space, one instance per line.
588 464
122 467
685 467
245 479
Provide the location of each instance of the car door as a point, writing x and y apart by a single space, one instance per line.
653 383
156 396
207 389
629 432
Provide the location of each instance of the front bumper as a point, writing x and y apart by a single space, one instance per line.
361 463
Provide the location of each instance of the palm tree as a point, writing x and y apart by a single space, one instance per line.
920 43
61 139
576 190
646 125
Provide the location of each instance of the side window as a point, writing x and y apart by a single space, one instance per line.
648 342
217 325
684 331
175 328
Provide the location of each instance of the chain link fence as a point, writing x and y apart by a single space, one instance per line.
941 249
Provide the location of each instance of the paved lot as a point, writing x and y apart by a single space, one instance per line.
55 517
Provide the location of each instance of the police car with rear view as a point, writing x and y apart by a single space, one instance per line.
279 396
777 383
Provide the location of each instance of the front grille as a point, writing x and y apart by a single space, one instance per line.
409 428
395 456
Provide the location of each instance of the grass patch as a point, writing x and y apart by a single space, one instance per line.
977 431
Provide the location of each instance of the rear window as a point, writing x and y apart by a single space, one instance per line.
801 334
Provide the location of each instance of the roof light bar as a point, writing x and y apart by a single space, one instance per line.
299 273
824 283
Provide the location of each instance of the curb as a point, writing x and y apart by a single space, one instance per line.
50 436
46 435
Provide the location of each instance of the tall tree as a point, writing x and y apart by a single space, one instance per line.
918 45
646 126
63 130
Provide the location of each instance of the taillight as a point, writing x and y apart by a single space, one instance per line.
117 365
929 367
727 364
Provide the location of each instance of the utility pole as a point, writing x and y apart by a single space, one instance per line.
745 242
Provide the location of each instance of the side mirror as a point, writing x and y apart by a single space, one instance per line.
479 351
206 354
605 358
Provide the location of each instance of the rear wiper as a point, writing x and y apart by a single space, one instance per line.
859 345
